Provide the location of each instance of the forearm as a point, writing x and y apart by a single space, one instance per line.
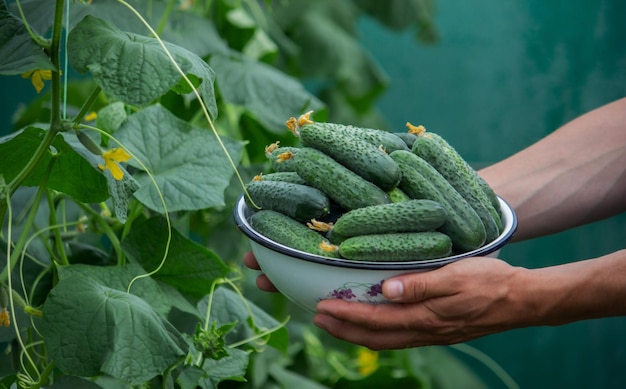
575 175
575 291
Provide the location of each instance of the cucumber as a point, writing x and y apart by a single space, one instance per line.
292 177
301 202
379 138
462 177
363 158
407 137
397 195
280 157
408 216
342 185
291 233
422 181
472 174
407 246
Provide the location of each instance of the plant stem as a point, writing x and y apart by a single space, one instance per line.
57 234
86 106
165 16
55 118
21 242
55 45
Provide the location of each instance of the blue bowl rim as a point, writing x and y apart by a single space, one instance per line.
242 213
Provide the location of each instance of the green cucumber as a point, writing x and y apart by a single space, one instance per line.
471 174
358 155
280 157
422 181
397 195
407 246
409 216
301 202
291 233
462 177
292 177
343 186
407 137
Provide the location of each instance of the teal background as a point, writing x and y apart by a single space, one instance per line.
505 74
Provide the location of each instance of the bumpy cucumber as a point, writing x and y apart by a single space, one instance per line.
397 195
407 246
301 202
292 177
408 216
291 233
407 137
470 173
422 181
462 177
356 154
280 157
342 185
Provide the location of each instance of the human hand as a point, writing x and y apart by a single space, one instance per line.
461 301
262 282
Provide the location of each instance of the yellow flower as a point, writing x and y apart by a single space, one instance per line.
37 77
91 116
111 157
367 361
5 320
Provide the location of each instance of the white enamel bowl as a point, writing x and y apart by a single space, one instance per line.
306 278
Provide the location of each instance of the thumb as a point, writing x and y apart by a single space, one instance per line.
416 287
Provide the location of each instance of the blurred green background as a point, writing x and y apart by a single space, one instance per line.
502 76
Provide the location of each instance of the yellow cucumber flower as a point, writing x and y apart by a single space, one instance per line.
37 77
367 361
5 319
111 158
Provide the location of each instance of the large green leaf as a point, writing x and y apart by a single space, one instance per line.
188 164
91 329
190 267
132 67
269 95
72 173
119 277
18 52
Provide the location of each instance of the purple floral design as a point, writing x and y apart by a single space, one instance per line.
343 294
349 290
376 289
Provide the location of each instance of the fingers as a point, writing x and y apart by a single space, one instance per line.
416 287
381 327
262 282
250 261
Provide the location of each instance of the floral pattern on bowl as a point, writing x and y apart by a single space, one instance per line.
358 292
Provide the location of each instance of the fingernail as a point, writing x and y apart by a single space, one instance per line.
393 289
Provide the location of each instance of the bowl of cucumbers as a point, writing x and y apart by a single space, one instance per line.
351 207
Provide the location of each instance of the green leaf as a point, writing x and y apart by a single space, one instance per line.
269 95
230 368
187 163
401 14
228 307
331 51
72 173
18 52
119 277
132 67
121 191
91 329
190 267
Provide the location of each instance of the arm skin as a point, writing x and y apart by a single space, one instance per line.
574 176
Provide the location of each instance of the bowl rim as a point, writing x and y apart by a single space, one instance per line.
241 214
